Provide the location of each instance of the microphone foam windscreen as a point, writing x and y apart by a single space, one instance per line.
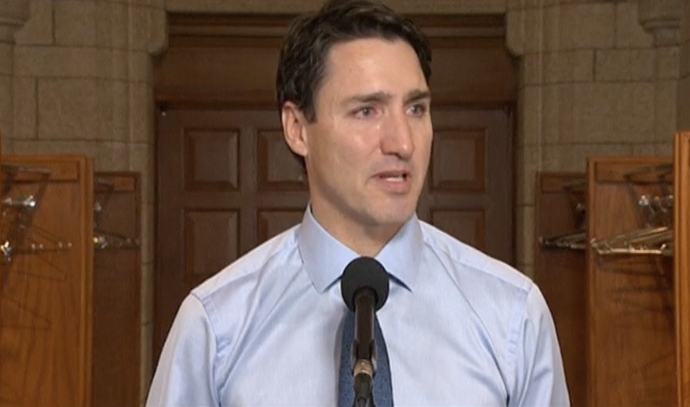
364 272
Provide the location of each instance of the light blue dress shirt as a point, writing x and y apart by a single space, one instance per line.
462 329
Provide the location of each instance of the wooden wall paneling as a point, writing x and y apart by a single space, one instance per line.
207 53
117 290
560 270
681 194
631 352
45 341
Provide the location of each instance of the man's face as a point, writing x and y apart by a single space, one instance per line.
368 150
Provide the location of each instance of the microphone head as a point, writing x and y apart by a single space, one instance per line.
364 272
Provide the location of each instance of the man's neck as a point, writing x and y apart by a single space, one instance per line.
362 239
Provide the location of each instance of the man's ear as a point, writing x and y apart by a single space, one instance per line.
294 129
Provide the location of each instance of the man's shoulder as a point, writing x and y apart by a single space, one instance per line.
468 263
498 294
249 268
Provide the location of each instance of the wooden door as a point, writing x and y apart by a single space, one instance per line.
227 182
468 192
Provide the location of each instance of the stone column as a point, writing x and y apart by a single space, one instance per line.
662 19
684 81
13 15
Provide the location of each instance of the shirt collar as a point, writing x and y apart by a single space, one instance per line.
325 257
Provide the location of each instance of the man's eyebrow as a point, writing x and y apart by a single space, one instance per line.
369 98
382 97
417 95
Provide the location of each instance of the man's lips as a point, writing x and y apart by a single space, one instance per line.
395 181
394 175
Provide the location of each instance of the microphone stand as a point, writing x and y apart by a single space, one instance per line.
364 287
363 398
364 351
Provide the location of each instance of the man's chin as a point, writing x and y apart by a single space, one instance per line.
392 219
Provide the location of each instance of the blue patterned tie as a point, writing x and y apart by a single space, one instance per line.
382 389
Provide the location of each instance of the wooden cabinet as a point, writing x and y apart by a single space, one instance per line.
560 268
619 288
68 325
681 259
117 286
631 341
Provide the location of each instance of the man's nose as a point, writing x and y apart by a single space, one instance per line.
397 136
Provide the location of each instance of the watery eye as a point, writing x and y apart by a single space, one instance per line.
418 109
365 111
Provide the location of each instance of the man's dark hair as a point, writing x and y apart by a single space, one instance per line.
302 64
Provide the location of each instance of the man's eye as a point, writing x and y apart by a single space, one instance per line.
418 110
364 112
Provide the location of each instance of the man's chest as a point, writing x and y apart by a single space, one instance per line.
298 364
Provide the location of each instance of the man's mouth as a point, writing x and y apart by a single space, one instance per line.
394 177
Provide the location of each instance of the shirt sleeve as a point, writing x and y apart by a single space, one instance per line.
185 372
539 376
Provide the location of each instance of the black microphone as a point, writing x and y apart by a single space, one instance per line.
364 286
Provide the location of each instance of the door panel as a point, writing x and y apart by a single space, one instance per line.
211 242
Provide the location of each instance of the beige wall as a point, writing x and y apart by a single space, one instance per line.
593 81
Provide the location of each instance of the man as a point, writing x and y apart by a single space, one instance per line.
461 328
